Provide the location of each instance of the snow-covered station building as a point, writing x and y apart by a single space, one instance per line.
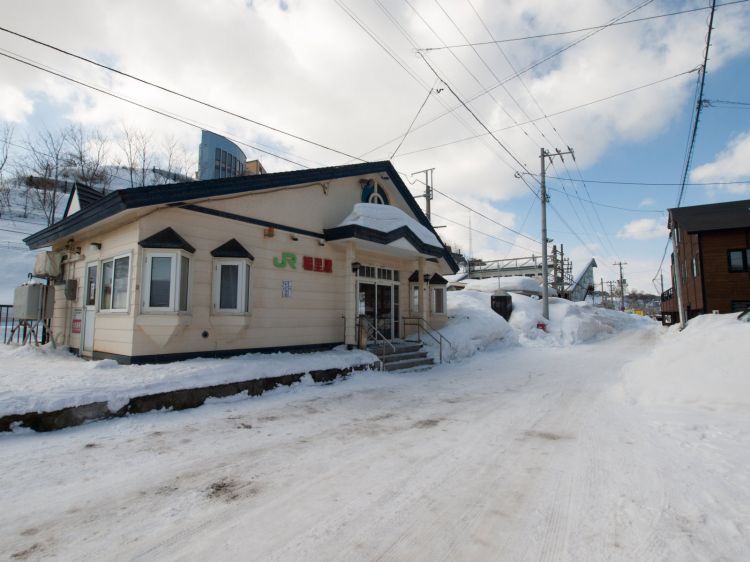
281 261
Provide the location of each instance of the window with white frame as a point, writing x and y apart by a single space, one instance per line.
166 281
231 286
115 284
414 297
438 300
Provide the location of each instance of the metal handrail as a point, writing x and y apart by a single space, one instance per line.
428 329
371 328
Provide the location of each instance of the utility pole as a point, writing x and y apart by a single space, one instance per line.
612 294
428 177
622 286
561 288
544 156
603 303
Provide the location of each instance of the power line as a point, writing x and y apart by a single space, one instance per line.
607 206
176 93
699 105
530 67
135 103
726 103
427 97
654 184
414 45
505 148
465 206
556 113
472 229
597 27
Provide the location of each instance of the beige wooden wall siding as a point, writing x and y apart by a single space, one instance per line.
113 330
312 315
308 207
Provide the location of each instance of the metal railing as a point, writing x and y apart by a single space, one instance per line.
374 335
667 295
7 322
21 331
424 326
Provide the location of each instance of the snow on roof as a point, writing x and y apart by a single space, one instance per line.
515 283
387 218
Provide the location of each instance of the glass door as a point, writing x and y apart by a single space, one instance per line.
384 310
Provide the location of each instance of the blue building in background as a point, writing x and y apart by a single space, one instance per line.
219 158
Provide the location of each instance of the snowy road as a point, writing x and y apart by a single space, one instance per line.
516 454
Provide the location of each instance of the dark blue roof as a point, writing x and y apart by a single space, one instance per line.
118 201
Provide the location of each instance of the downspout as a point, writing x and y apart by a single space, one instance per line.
678 276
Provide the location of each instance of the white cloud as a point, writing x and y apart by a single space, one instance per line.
644 229
647 202
14 105
731 164
311 70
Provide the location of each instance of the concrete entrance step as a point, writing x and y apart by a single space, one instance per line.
402 355
423 362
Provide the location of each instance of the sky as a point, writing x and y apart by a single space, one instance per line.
394 79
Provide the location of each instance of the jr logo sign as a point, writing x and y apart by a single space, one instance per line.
288 259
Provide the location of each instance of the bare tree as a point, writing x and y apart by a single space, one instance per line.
44 170
177 163
86 156
6 137
136 147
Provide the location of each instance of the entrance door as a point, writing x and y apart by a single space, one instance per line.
89 309
384 310
376 303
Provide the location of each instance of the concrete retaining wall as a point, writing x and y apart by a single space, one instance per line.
173 400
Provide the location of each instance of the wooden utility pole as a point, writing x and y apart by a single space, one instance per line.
622 286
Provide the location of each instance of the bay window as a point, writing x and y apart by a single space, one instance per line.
166 282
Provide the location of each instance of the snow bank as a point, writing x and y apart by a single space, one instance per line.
674 374
569 323
387 218
35 379
473 326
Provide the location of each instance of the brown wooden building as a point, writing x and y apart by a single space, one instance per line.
713 249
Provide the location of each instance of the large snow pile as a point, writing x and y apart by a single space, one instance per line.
719 379
514 283
473 326
569 322
387 218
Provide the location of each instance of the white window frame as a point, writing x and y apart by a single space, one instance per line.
244 286
444 299
174 281
414 297
100 297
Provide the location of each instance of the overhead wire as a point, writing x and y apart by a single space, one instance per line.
579 30
554 114
531 66
163 113
693 125
175 92
472 229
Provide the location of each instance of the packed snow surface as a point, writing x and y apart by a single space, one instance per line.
387 218
605 437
